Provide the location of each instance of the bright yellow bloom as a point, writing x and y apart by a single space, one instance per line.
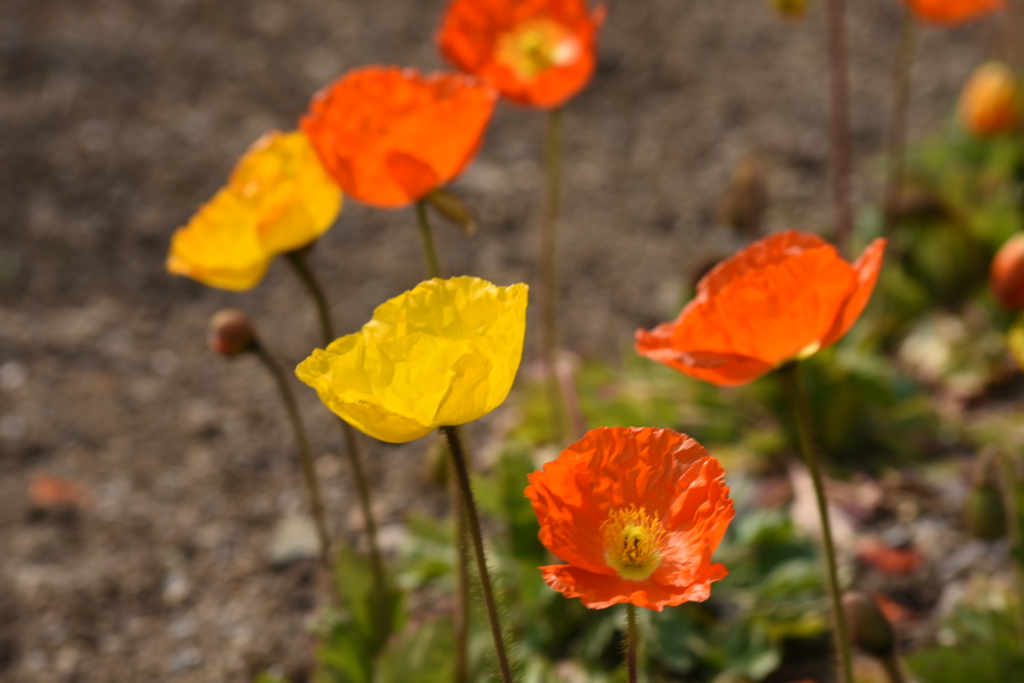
279 198
442 354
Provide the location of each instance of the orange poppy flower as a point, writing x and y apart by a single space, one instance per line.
538 53
782 298
390 136
953 11
636 514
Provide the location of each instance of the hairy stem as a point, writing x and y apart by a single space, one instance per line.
473 520
632 641
433 264
548 261
839 95
316 506
462 596
791 376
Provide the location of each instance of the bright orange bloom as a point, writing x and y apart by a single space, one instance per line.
784 297
636 514
390 136
953 11
538 53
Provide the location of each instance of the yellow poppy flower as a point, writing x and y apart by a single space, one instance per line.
442 354
279 198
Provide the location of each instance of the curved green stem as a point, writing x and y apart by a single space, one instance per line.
297 260
316 506
429 250
473 519
632 641
839 96
794 387
316 291
548 262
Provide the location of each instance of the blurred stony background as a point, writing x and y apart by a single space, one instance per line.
119 117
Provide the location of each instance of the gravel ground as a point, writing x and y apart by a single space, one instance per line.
119 117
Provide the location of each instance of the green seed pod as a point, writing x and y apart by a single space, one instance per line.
985 514
868 627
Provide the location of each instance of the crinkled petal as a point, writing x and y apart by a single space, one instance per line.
472 30
286 185
723 369
867 267
220 246
390 136
442 354
608 469
785 296
598 591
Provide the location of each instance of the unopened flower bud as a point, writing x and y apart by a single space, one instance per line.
991 101
230 333
868 627
791 9
1006 276
984 513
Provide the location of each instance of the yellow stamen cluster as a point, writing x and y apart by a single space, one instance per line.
632 540
537 46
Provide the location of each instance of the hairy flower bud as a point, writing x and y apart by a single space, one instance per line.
868 627
991 101
230 333
1006 276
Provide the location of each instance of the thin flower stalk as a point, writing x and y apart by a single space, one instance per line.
427 235
316 506
632 641
839 95
794 387
897 139
316 292
548 260
462 474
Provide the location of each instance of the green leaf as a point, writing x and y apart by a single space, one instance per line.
425 654
375 616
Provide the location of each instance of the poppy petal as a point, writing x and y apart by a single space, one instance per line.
476 36
598 591
953 11
867 266
389 136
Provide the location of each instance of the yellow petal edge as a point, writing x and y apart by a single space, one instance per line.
442 354
279 198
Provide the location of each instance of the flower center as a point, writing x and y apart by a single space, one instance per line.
632 542
808 350
536 46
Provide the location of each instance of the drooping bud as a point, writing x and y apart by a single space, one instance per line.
991 101
1006 276
230 333
869 629
791 9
